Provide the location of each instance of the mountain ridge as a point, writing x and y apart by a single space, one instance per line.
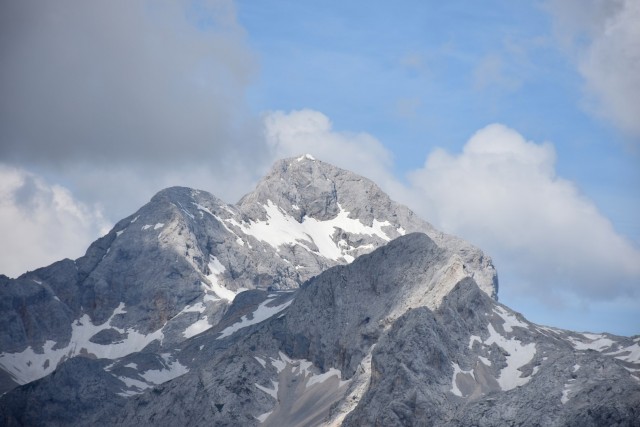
289 307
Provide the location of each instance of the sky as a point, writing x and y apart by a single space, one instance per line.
515 125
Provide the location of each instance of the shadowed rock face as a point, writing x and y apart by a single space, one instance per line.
170 270
406 333
343 350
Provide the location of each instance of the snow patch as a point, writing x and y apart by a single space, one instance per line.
262 313
628 354
171 369
262 418
282 229
510 321
473 339
486 361
518 355
27 365
217 269
273 392
565 392
261 361
197 327
305 368
306 156
598 342
186 212
158 225
457 370
118 233
203 208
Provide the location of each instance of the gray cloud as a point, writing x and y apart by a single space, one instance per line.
41 223
501 193
140 88
602 37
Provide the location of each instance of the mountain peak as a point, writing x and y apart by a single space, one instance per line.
304 186
315 300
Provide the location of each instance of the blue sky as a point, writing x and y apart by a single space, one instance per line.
410 74
425 75
515 125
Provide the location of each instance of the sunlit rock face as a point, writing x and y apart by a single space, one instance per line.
315 300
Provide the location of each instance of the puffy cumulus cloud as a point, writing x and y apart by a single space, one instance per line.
603 37
502 193
41 223
309 131
96 91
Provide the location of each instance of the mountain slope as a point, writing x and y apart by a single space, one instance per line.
170 270
315 300
357 345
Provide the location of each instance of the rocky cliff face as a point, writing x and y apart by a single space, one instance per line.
315 300
170 270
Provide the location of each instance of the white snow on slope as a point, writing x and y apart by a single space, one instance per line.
273 392
628 354
262 313
262 418
565 392
197 327
598 342
305 156
217 269
305 368
261 361
473 339
510 321
486 361
456 371
303 392
282 229
518 355
172 369
27 365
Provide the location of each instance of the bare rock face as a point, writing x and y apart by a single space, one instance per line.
315 300
170 270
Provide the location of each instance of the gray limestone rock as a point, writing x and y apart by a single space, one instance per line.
170 270
315 300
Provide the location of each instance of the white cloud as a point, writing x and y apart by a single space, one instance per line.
603 38
41 223
503 194
309 131
124 97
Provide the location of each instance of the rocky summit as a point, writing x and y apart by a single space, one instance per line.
314 301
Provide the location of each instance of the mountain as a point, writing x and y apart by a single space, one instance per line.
315 300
